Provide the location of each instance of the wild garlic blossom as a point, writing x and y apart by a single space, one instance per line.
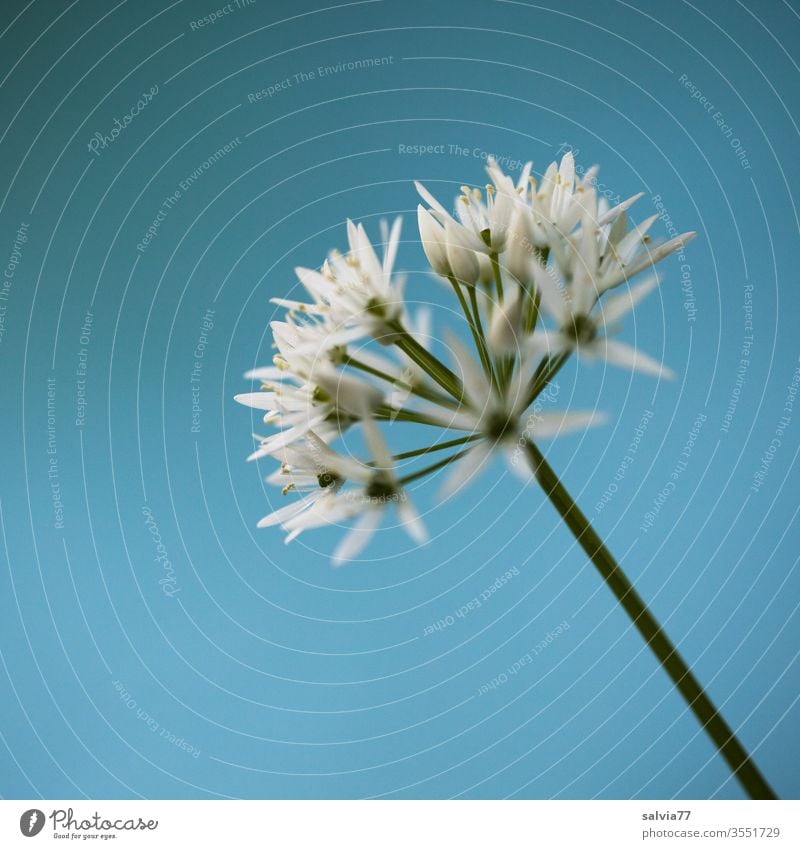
534 267
530 265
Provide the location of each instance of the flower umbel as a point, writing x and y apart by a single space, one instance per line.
529 264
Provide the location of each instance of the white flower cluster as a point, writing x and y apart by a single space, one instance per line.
529 264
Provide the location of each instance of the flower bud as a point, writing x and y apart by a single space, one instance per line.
505 328
433 241
462 260
519 249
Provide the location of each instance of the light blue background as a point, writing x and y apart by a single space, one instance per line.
293 679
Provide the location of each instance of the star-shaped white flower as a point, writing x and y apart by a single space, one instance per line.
587 329
499 416
354 490
357 291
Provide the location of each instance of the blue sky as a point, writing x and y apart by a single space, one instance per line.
166 175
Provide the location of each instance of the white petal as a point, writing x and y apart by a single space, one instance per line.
610 214
519 249
431 200
257 400
390 252
283 514
466 470
265 373
432 236
468 370
412 523
287 437
502 208
357 537
318 286
614 308
654 255
505 326
462 260
517 463
558 423
554 298
620 354
377 445
354 396
548 342
567 169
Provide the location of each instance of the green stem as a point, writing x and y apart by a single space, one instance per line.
475 328
385 413
421 391
429 363
533 306
503 366
476 311
439 446
498 279
433 468
545 372
532 309
728 745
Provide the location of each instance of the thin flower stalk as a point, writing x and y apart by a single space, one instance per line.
550 272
